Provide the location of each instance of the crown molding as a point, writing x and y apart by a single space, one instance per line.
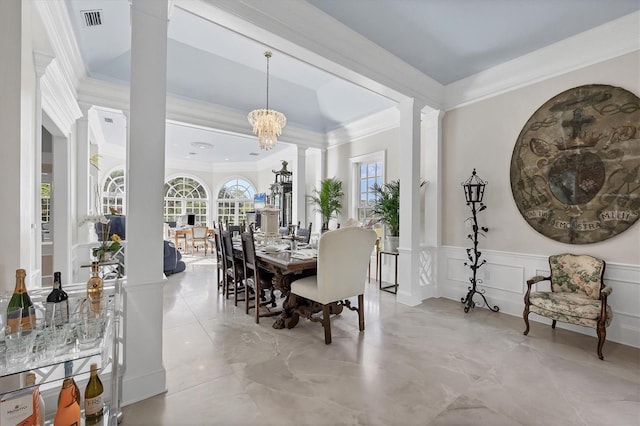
217 118
367 126
307 33
57 25
58 99
607 41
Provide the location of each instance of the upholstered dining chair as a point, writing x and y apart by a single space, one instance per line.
234 273
199 235
256 278
578 295
304 234
343 258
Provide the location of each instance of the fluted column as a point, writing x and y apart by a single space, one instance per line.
145 374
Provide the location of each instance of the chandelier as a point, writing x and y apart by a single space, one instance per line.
267 123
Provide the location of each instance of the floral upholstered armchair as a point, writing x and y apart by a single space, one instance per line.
578 295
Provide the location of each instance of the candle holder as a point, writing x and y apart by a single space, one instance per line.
474 192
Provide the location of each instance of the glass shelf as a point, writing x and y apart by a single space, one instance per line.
106 352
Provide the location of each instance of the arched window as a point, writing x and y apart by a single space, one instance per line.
235 199
184 195
113 195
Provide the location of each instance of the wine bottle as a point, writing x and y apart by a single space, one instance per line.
68 413
93 405
94 288
68 374
19 316
39 411
57 310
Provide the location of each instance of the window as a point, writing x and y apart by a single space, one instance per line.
113 195
45 202
235 199
367 171
184 195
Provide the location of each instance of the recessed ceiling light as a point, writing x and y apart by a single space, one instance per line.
201 145
226 159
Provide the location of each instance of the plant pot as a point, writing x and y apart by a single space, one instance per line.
104 257
391 243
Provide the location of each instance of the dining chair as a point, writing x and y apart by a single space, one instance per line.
234 273
256 278
304 234
220 261
199 236
343 259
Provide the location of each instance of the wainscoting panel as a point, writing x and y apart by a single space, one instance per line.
504 280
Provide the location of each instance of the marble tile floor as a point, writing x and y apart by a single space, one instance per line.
425 365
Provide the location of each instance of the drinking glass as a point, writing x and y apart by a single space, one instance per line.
90 325
20 338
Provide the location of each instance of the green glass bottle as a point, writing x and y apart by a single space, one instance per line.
19 316
93 404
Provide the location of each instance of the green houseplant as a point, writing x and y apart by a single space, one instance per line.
387 207
328 199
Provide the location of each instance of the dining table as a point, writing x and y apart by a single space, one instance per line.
178 233
286 266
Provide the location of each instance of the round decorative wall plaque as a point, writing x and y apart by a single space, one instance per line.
575 168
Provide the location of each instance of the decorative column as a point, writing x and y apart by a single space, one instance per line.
300 187
15 172
83 188
409 249
41 61
432 207
61 205
145 375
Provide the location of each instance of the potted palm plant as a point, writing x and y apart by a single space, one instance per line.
387 207
328 200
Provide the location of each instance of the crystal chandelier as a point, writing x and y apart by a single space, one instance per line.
267 123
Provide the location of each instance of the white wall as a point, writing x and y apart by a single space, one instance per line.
482 135
338 160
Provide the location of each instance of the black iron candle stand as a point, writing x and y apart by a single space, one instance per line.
474 192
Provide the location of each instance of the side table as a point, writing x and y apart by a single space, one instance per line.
393 288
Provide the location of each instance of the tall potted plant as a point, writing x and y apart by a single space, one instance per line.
328 200
387 207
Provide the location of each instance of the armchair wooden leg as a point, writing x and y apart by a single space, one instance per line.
553 324
326 323
602 334
361 311
525 315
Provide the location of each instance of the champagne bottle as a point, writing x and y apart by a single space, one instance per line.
57 303
30 381
68 413
94 288
19 316
93 405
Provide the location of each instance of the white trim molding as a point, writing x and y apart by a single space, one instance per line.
607 41
504 279
365 127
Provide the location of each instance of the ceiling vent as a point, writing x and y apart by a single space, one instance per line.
255 154
92 18
108 120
